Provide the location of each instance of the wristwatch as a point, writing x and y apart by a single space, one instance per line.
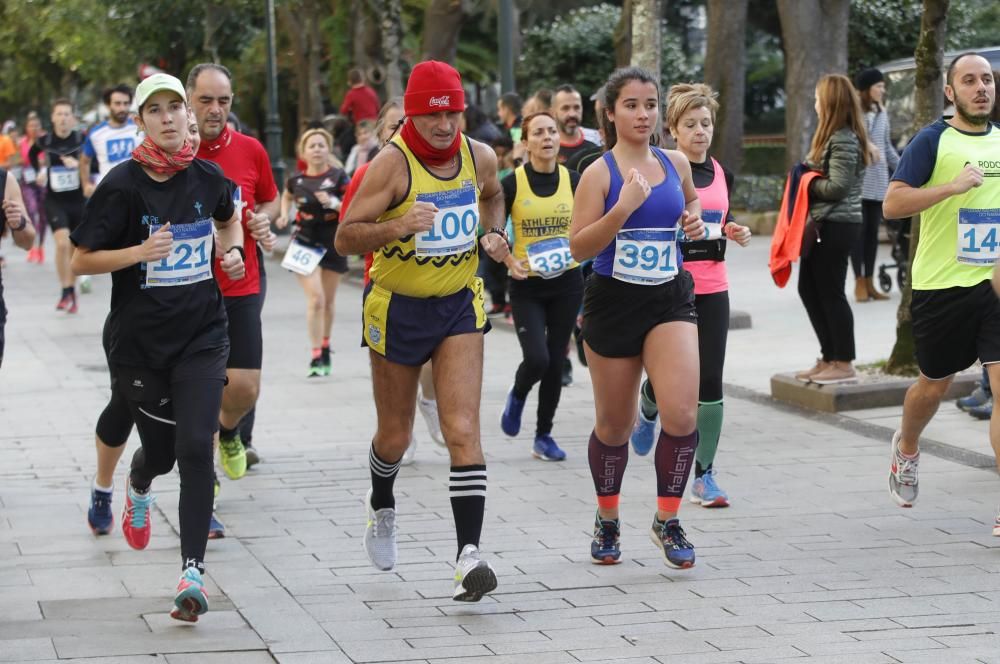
238 248
24 222
499 230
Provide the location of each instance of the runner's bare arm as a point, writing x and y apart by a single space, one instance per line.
491 210
102 261
88 188
903 200
591 230
271 208
17 217
384 183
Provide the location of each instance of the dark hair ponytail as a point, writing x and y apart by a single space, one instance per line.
612 90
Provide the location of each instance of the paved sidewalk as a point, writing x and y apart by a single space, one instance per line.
813 561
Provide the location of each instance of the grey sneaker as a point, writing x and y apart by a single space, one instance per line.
902 475
380 535
410 455
473 577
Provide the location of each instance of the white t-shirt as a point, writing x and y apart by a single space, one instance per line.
111 145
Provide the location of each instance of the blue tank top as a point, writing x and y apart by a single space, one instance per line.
662 209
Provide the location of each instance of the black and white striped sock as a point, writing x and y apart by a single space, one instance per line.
383 477
467 485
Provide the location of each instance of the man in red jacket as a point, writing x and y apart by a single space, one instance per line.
361 102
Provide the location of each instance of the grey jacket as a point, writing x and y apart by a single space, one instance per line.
877 175
836 197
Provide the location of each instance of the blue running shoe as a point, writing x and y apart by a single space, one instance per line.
190 600
546 449
643 434
604 549
215 528
705 492
510 419
669 538
977 398
99 516
982 412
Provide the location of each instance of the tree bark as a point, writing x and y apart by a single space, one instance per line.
306 42
623 36
389 16
646 40
814 33
442 24
725 70
928 103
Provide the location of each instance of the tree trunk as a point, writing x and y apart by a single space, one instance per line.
725 65
623 36
815 40
646 41
305 40
928 103
442 23
389 16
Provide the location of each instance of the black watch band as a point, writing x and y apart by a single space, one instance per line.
499 230
24 222
238 248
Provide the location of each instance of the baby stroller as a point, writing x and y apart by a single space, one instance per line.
899 235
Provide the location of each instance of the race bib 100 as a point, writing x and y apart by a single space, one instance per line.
550 257
455 223
190 256
646 256
978 243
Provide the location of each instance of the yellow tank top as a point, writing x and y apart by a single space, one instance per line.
541 226
444 259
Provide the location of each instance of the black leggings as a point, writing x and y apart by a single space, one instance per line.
114 426
544 313
821 287
864 250
180 430
713 332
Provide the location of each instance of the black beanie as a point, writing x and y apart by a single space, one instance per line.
867 78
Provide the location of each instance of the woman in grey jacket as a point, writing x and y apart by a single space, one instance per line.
871 88
839 151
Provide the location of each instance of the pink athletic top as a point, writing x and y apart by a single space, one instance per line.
711 276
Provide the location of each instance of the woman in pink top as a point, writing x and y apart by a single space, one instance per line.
691 109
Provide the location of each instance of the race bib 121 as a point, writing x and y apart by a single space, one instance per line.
190 259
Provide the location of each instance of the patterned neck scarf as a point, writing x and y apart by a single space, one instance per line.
155 158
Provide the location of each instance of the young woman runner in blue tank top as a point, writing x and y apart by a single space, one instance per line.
638 310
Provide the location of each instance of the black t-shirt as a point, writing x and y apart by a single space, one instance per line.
317 224
63 182
3 231
542 184
161 312
570 155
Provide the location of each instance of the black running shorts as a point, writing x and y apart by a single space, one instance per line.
618 315
63 215
246 340
952 327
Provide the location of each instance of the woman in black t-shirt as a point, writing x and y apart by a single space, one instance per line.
150 223
14 218
317 193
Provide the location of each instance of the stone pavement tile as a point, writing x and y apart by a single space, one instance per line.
901 644
236 657
162 622
954 656
56 627
679 646
838 595
279 620
379 629
400 650
128 659
184 638
554 657
14 609
317 657
26 650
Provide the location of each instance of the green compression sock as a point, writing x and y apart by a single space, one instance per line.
709 430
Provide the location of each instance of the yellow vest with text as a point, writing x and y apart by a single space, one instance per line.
398 266
535 218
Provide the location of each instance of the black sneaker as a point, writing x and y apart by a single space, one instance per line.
567 373
325 359
316 367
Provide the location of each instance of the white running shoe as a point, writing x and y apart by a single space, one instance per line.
473 577
85 285
380 535
903 475
410 455
429 409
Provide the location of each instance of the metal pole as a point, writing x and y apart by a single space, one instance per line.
505 39
273 129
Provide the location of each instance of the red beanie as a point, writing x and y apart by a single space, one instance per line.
433 87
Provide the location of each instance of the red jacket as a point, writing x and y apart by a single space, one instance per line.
360 103
786 243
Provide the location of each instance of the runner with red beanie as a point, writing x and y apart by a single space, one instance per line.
419 208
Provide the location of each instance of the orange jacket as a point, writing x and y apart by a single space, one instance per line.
786 243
